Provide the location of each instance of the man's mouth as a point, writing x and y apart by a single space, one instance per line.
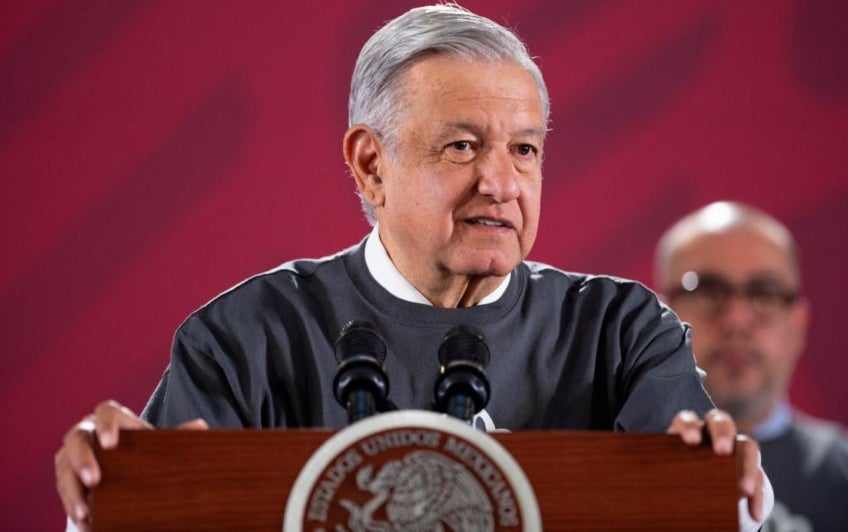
737 358
488 222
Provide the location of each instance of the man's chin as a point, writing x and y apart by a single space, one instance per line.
487 265
739 409
740 406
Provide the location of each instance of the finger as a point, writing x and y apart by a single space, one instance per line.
194 424
76 471
722 430
751 475
71 491
75 463
79 453
688 425
109 418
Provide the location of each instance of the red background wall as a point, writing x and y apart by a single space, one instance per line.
153 154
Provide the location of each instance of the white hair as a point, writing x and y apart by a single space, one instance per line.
423 32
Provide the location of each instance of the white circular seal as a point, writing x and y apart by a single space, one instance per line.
411 470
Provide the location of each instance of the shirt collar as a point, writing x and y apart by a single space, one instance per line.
775 424
383 270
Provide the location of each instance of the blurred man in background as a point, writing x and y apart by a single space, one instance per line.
733 272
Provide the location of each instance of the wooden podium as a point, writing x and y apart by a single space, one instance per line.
240 480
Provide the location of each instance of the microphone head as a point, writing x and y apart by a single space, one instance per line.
359 338
462 388
361 353
464 344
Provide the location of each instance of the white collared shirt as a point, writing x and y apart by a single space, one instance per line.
384 271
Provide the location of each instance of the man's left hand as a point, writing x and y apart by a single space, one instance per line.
722 431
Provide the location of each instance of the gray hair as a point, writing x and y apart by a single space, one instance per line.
422 32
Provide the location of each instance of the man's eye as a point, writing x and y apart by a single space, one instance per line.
765 296
525 149
712 291
460 151
460 145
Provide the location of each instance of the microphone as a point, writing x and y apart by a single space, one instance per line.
360 384
462 388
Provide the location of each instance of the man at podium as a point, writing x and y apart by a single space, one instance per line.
448 117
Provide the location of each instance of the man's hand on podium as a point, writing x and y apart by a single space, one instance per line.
721 429
77 470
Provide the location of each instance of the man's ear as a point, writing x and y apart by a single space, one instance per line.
364 155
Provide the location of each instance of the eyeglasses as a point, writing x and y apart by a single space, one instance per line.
767 298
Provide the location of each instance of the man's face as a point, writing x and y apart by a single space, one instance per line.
461 193
749 344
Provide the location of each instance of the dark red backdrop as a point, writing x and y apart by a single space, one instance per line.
155 153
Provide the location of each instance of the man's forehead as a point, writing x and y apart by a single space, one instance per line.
739 252
453 126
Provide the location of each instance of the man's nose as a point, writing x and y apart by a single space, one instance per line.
497 175
737 313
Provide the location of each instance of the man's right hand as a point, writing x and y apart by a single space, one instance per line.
77 470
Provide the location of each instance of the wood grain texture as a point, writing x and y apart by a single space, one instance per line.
240 480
